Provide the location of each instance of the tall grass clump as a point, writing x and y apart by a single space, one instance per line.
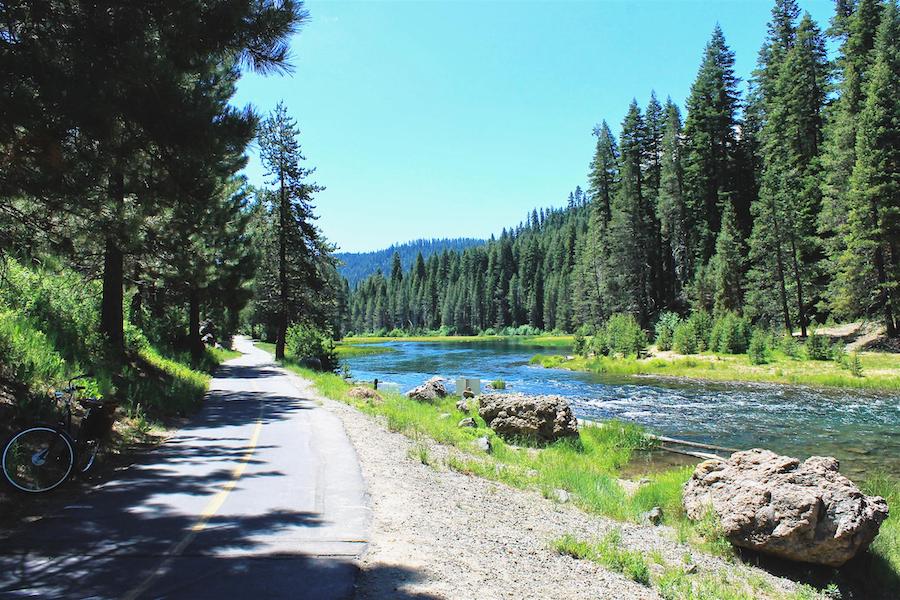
665 330
607 552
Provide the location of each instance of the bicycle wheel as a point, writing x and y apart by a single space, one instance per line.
38 459
86 456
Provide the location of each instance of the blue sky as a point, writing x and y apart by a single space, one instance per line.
452 119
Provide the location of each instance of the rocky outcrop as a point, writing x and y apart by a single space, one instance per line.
805 511
430 391
540 418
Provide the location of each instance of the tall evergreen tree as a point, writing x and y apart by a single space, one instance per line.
710 144
671 209
301 248
869 273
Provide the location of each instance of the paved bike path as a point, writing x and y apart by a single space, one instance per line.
260 495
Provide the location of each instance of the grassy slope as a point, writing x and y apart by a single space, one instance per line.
881 371
588 470
48 325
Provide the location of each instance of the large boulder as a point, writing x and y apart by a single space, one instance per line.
430 391
541 418
777 505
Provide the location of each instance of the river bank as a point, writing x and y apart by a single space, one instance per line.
431 444
880 370
441 530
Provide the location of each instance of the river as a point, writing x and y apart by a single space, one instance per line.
861 429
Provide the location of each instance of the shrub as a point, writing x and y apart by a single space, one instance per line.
665 330
730 334
703 324
818 347
684 339
758 350
396 333
498 384
855 365
489 331
310 345
580 344
622 335
789 346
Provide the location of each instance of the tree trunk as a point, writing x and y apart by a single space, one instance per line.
112 320
779 271
194 326
797 281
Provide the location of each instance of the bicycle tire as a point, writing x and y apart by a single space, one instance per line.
37 459
86 456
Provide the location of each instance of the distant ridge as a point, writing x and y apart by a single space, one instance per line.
359 265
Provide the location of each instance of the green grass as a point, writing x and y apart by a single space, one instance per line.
559 341
881 371
609 553
886 547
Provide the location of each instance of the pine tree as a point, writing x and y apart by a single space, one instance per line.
856 28
301 248
709 133
727 266
627 285
603 177
783 245
870 265
670 208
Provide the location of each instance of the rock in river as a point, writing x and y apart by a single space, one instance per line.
541 418
430 391
805 511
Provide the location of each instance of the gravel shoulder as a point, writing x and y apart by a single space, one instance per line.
437 533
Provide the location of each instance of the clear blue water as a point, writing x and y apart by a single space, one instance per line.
861 429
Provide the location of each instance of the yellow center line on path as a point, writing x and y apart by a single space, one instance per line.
212 507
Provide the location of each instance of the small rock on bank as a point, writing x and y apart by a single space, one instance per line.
431 391
777 505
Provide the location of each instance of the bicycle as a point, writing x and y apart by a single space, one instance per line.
42 457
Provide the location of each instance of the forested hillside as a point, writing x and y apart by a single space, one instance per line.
356 266
778 199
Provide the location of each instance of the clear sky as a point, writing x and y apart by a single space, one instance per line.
452 119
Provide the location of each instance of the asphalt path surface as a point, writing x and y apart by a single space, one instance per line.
259 496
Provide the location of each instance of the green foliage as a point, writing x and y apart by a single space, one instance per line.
818 347
730 334
607 552
621 334
789 346
498 384
854 364
47 324
703 324
580 345
665 330
685 339
312 347
758 349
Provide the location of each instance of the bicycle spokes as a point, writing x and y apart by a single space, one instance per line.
37 459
